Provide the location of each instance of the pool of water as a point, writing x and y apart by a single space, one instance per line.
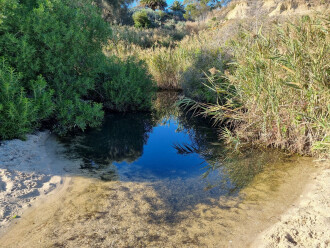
160 179
178 153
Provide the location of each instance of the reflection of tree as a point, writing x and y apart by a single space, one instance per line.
165 106
121 138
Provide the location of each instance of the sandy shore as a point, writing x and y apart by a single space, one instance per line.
27 173
307 223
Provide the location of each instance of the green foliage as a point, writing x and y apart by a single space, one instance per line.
177 6
154 4
61 40
115 11
76 113
197 79
19 114
141 19
126 85
191 12
197 9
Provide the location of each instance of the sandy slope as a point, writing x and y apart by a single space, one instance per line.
26 173
307 224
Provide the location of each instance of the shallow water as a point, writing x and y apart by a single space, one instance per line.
160 179
178 153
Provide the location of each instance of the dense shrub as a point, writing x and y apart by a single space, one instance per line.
19 113
141 19
205 64
156 18
63 41
126 85
77 113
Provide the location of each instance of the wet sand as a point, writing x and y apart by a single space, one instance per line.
307 223
89 212
27 173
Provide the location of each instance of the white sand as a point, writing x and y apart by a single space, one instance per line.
26 173
307 224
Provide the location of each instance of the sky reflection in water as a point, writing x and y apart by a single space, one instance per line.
168 148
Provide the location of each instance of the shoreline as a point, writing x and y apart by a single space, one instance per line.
28 174
307 222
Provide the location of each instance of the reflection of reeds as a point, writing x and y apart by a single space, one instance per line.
164 106
185 149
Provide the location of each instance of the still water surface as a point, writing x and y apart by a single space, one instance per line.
162 179
172 149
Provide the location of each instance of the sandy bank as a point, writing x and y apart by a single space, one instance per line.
307 223
27 173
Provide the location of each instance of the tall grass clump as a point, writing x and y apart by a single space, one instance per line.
282 85
183 66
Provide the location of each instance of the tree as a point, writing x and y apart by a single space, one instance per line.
154 4
191 12
177 6
115 11
141 19
199 8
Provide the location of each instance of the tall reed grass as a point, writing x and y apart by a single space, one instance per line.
281 82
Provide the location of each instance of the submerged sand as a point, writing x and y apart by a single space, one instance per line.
307 223
286 205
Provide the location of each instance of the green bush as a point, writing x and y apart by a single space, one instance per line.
19 114
126 85
77 114
62 41
141 19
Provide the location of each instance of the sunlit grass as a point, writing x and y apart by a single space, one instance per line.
282 84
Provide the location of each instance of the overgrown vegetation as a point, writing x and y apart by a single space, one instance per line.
269 87
280 88
125 85
56 48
